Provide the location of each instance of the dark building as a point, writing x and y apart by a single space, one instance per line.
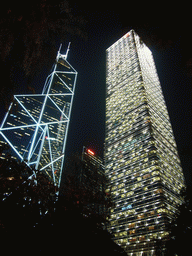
92 173
92 178
84 182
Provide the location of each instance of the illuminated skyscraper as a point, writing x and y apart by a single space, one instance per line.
36 125
141 157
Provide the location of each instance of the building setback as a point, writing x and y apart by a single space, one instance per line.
141 158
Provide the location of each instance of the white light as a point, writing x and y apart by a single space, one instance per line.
38 123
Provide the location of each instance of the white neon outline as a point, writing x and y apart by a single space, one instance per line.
11 145
38 142
51 162
25 109
57 107
50 155
41 147
30 125
42 128
6 115
63 82
66 72
43 95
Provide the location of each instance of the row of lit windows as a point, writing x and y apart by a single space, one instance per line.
161 140
120 69
168 155
142 217
127 104
119 48
141 220
122 56
142 238
118 57
133 145
126 91
172 180
129 146
139 214
125 82
130 127
113 83
161 124
135 112
136 185
129 167
134 174
145 176
126 119
158 117
125 99
132 167
141 202
131 232
139 197
176 172
63 63
166 141
128 59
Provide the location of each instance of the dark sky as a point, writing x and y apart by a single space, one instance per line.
88 58
168 40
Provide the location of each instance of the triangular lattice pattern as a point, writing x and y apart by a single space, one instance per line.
36 125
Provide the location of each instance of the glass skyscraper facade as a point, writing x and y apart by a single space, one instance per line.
141 158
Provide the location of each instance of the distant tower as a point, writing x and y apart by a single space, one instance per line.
92 175
141 157
92 178
36 125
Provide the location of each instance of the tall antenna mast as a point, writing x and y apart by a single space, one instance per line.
64 56
67 50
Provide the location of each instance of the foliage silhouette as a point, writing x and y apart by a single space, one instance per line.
33 218
29 37
181 227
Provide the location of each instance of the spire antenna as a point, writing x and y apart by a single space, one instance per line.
67 50
60 48
64 56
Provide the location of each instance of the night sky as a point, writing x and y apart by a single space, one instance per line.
87 125
104 27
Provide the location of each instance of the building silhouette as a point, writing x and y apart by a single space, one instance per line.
85 180
92 172
36 125
92 179
141 158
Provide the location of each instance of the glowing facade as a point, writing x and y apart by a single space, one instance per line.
141 158
36 125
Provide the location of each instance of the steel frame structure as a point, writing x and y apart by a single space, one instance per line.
36 125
